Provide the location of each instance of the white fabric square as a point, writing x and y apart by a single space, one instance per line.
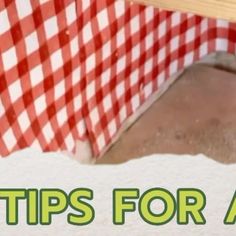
107 103
90 63
120 88
62 116
135 52
188 59
112 128
9 139
106 76
71 13
106 50
120 37
203 49
174 43
190 35
85 4
51 27
148 90
222 23
87 33
56 60
149 40
222 44
81 127
94 116
204 25
40 104
69 141
76 76
78 102
32 43
121 64
24 121
102 18
5 24
23 8
149 14
15 90
36 75
173 67
148 66
134 25
9 58
90 90
134 78
60 90
135 101
119 8
175 19
74 46
48 132
162 29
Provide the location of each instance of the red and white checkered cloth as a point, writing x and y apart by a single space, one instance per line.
76 70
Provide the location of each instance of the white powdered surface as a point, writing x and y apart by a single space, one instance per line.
31 169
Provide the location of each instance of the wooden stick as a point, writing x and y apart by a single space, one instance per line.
223 9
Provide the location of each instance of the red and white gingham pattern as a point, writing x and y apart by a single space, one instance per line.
40 76
74 70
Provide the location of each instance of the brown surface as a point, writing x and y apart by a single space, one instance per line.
196 115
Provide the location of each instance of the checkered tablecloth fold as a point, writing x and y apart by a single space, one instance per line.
76 70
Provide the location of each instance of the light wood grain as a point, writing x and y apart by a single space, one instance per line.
223 9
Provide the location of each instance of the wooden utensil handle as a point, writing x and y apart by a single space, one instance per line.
224 9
